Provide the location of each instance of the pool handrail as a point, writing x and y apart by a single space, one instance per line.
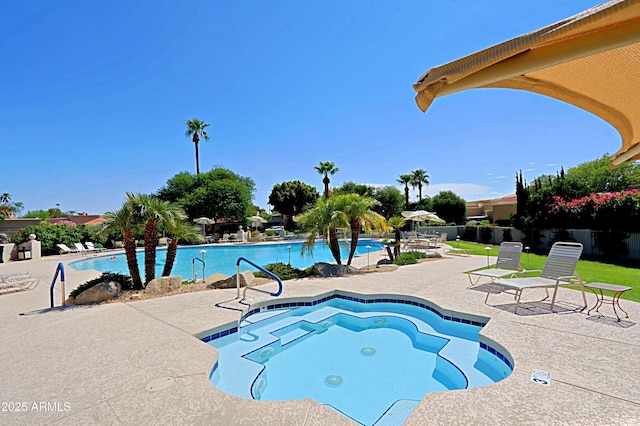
272 275
60 271
193 268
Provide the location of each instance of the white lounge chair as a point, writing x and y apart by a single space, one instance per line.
507 265
559 270
18 282
83 251
90 247
66 250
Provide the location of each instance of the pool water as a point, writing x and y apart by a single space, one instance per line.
221 258
372 362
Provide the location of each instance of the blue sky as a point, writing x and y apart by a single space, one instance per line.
94 96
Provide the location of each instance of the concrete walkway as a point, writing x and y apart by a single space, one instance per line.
139 362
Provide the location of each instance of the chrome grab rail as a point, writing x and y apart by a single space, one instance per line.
193 268
272 275
59 271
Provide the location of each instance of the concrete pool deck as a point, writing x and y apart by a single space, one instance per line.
139 362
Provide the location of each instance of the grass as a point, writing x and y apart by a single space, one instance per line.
589 270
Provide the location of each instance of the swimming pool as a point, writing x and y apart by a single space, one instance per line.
372 360
222 257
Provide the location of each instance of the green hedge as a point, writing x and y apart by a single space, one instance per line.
50 235
285 272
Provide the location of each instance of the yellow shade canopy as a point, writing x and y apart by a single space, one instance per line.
590 60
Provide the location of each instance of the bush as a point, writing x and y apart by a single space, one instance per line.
126 283
506 235
270 232
284 271
470 233
485 234
409 258
50 235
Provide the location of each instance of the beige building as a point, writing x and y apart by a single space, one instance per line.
497 209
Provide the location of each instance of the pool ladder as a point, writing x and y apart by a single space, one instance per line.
244 293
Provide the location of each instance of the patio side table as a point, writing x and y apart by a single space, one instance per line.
597 288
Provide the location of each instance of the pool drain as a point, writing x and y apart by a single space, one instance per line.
380 322
333 380
368 351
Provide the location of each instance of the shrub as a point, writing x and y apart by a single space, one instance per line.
270 232
51 234
485 234
126 283
409 258
284 271
506 235
470 233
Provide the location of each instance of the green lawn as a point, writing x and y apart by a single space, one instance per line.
589 270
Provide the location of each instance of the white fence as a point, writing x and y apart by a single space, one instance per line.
587 237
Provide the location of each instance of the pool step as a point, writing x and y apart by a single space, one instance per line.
293 335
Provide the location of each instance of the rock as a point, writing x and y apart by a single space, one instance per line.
384 262
331 270
162 285
215 277
98 293
230 282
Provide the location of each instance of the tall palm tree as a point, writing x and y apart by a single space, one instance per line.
358 214
406 180
122 220
326 168
418 178
323 220
180 230
195 128
153 213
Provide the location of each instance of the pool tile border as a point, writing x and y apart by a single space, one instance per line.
273 306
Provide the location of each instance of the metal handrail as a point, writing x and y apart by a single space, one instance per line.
59 271
193 267
272 275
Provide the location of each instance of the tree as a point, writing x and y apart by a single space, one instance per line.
406 180
195 128
355 188
292 197
324 220
598 176
449 206
326 168
153 213
122 220
218 193
7 208
418 178
390 201
180 230
357 212
396 223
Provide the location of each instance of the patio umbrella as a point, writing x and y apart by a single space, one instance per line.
589 60
422 216
204 221
256 221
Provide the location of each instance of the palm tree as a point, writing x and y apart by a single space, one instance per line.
153 213
323 220
196 128
326 168
180 230
418 178
396 222
358 214
122 220
406 180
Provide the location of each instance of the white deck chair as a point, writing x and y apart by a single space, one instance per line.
91 247
66 250
83 251
559 270
507 265
18 282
